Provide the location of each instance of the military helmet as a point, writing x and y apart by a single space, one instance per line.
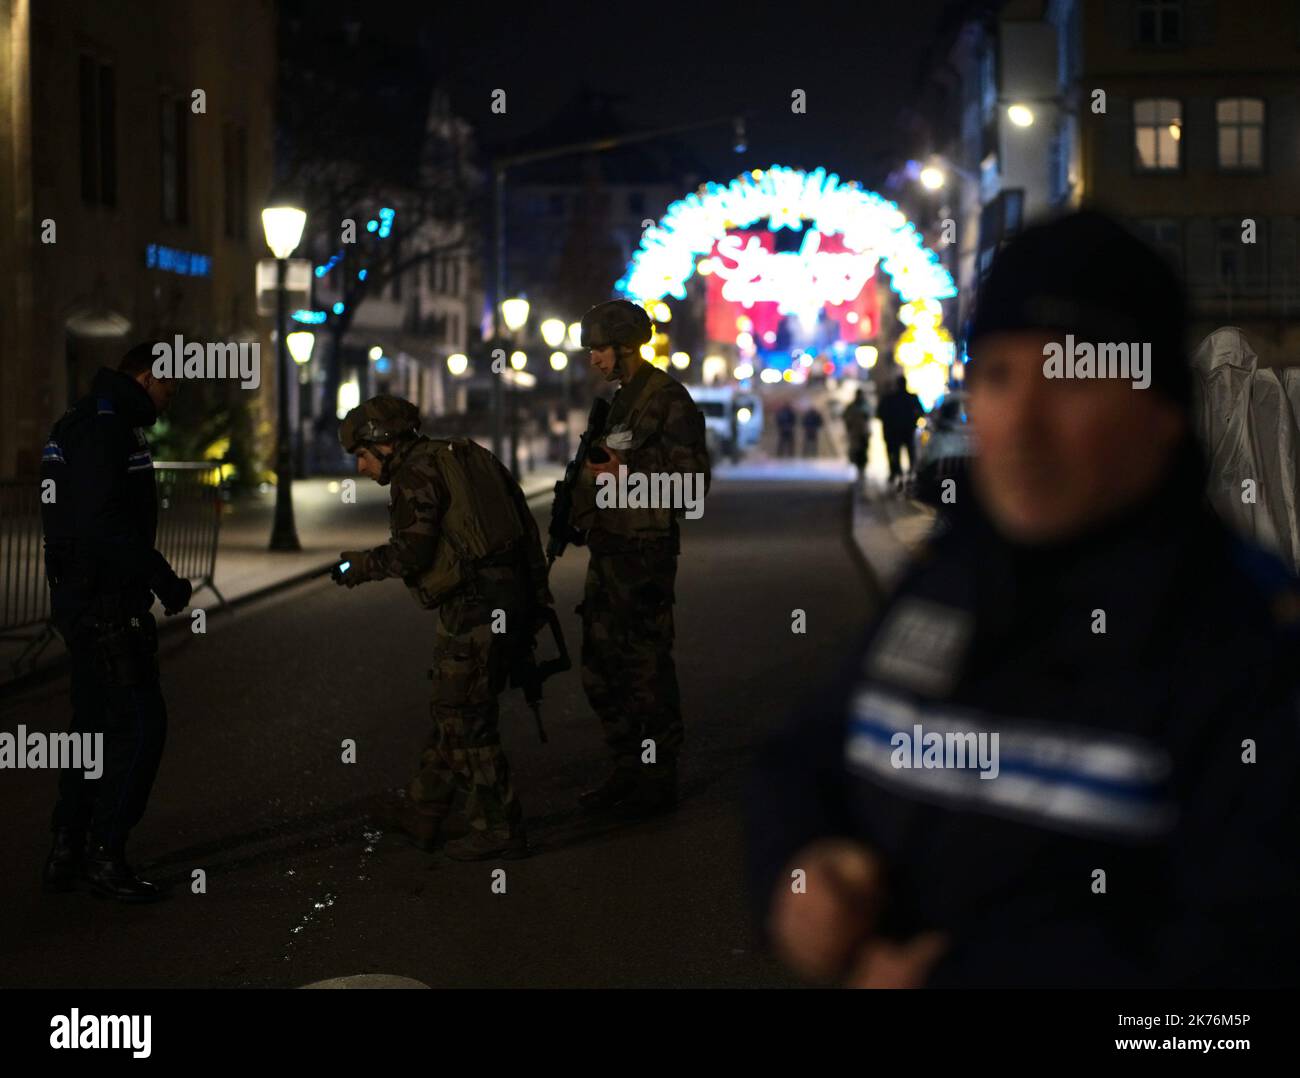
380 419
617 322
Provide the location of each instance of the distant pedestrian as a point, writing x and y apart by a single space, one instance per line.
857 432
786 421
812 425
899 410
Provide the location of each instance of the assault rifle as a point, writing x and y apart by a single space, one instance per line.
561 532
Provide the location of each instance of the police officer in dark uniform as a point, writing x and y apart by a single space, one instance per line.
100 517
1068 753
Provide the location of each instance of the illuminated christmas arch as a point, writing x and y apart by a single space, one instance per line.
671 250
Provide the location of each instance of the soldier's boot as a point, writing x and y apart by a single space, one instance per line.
488 846
620 785
655 793
106 874
424 826
64 862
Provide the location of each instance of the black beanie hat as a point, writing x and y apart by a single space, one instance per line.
1087 275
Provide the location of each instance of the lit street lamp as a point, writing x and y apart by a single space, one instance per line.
553 332
283 227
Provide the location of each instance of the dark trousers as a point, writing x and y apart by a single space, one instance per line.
627 655
893 448
785 443
133 721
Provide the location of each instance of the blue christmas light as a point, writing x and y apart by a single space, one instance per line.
337 308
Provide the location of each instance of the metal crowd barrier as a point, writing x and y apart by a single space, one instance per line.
190 496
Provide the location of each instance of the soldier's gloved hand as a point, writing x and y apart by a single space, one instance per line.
173 592
348 572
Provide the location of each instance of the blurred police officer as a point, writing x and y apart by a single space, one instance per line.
654 429
103 572
465 543
1068 754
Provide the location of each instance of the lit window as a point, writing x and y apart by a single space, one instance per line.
1241 132
1157 134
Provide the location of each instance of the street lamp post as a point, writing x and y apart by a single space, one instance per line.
300 345
283 227
553 331
514 312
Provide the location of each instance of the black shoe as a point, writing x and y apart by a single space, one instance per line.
64 862
648 799
106 874
609 793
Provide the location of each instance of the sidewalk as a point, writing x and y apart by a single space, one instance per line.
886 526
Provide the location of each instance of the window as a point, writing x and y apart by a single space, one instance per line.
1159 22
175 161
1157 134
97 93
455 277
556 205
1240 267
235 168
1241 132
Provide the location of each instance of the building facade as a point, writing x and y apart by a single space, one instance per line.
1182 117
136 154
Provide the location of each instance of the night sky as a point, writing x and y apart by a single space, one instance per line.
662 65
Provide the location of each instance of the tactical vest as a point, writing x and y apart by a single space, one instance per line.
480 525
626 432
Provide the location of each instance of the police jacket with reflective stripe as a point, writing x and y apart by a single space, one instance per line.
1139 820
101 520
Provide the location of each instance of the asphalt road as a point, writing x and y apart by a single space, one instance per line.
253 791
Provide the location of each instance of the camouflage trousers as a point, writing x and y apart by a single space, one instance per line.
627 654
463 755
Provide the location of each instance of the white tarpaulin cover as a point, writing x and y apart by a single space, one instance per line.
1249 423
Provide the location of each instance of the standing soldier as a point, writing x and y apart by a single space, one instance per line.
103 572
464 542
654 428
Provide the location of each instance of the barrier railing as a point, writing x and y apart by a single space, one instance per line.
190 495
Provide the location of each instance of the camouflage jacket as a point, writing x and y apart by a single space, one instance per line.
419 502
657 430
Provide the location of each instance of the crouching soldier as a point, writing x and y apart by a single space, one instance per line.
466 545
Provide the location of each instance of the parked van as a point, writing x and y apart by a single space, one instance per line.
733 419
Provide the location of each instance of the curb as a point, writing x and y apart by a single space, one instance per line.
875 541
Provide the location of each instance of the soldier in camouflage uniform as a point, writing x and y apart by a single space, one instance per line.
465 543
654 427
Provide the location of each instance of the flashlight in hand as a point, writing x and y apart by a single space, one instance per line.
336 574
